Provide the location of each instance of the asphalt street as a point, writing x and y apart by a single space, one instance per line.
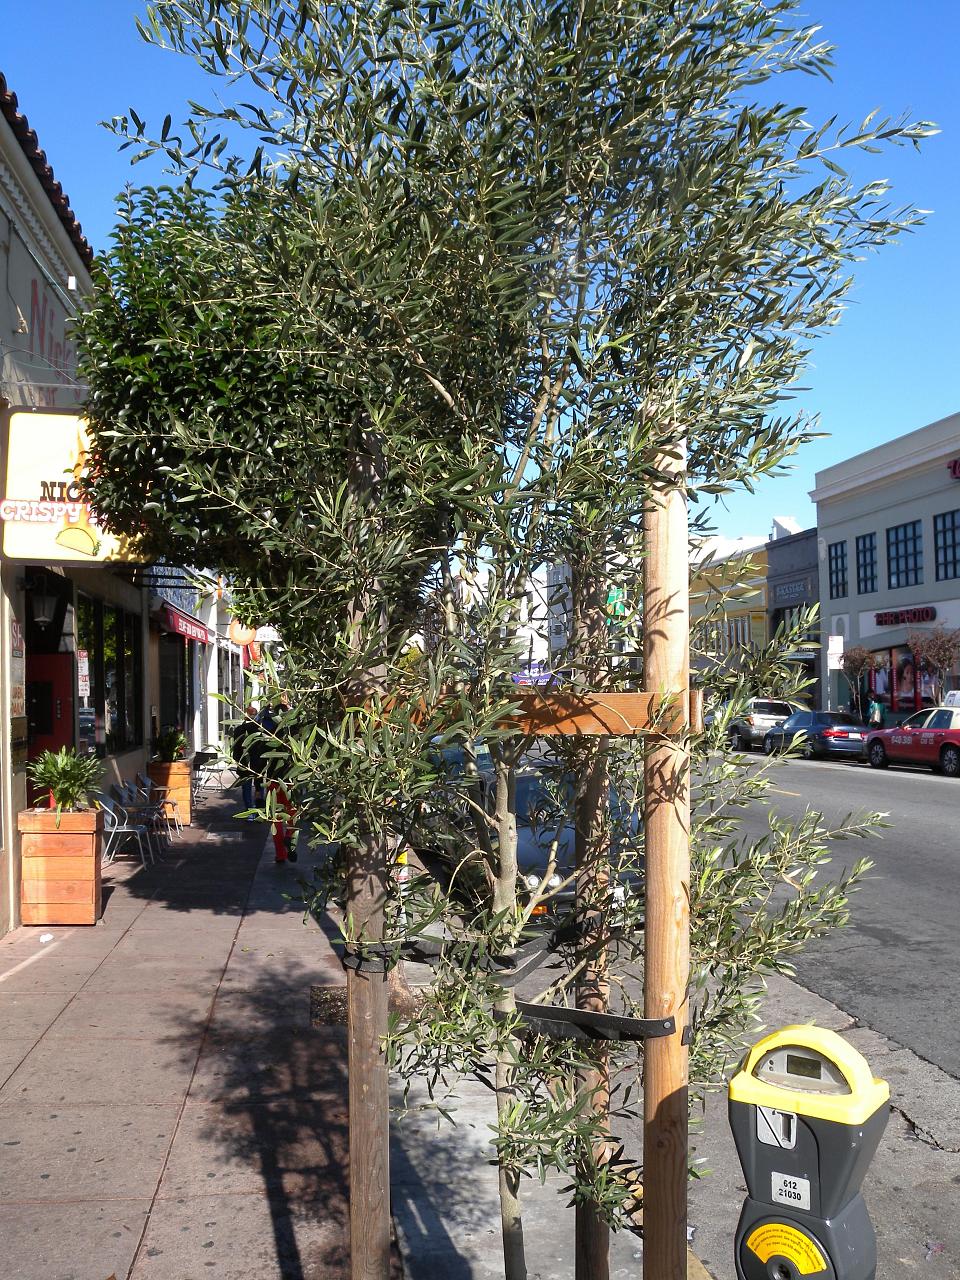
896 967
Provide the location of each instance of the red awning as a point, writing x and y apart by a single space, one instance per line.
182 624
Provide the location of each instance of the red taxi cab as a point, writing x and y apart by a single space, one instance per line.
930 737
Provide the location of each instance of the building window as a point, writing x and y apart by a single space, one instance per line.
866 563
946 537
109 678
905 555
838 569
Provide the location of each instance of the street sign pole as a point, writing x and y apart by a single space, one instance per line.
666 617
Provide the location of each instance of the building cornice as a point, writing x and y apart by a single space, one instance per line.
916 451
35 158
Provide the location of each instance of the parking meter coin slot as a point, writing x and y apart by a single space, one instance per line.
777 1128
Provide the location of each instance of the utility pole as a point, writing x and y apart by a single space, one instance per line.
666 617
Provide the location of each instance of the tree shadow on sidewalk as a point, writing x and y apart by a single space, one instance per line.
266 1117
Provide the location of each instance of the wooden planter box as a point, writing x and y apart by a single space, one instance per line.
60 866
177 777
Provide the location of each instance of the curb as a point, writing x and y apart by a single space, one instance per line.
695 1268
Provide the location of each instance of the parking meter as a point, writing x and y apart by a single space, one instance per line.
807 1117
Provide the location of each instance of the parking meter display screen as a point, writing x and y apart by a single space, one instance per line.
809 1068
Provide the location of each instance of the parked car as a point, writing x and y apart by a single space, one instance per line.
824 733
759 716
543 818
931 737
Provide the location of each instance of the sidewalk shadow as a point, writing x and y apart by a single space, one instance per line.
207 869
421 1215
274 1120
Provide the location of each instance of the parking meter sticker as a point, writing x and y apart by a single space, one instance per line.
776 1239
788 1189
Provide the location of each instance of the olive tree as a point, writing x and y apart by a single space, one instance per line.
434 291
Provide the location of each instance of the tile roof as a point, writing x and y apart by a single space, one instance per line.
31 148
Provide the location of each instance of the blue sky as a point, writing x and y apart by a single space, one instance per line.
891 366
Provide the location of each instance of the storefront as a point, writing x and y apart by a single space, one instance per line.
46 276
793 587
177 644
888 525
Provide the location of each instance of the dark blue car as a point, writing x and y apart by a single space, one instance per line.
822 734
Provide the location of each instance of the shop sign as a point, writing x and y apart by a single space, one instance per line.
835 653
41 510
903 617
182 625
18 688
83 673
790 592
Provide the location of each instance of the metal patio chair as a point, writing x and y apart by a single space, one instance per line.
144 810
119 830
209 767
148 789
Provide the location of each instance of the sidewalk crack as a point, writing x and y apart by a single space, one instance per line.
923 1135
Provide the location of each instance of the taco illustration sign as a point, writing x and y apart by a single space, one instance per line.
42 511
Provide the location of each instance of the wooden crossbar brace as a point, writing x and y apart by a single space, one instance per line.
561 713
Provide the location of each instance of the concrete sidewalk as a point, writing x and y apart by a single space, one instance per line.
166 1110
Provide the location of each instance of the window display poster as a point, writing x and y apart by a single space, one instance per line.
903 675
83 673
880 681
18 689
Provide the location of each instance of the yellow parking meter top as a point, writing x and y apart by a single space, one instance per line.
812 1072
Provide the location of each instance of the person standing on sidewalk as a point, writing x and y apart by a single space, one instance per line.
275 771
245 739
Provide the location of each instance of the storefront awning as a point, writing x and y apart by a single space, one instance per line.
182 624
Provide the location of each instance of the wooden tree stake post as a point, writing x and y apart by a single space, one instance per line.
666 615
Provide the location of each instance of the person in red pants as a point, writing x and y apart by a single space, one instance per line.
284 828
284 832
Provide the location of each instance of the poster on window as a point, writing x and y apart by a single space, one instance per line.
83 673
880 680
904 677
18 687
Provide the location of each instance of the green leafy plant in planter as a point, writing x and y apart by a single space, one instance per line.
68 776
170 745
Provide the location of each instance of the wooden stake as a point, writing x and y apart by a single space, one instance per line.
667 949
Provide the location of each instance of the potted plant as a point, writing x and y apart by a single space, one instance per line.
61 846
171 773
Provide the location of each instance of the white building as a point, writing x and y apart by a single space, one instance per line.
888 526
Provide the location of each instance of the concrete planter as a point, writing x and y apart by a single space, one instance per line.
177 777
60 866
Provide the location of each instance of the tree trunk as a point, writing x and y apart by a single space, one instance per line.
368 1080
505 897
366 893
593 989
589 643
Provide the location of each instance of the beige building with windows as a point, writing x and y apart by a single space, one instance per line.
728 598
888 531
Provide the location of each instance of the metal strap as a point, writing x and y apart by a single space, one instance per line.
562 1023
369 957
